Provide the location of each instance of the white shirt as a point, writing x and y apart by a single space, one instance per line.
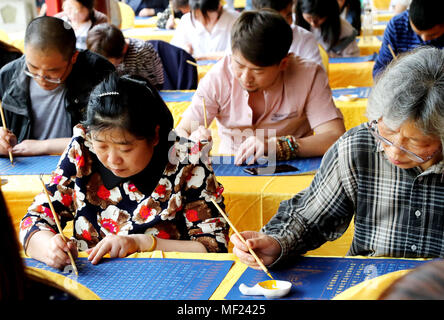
305 45
202 41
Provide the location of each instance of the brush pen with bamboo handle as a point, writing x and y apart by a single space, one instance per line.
259 262
4 127
59 227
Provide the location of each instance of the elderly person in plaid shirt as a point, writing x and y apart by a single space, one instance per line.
388 174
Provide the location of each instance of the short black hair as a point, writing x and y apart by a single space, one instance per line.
51 33
106 40
132 104
263 37
426 14
204 6
277 5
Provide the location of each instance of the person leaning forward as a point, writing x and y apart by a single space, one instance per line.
386 174
44 93
264 97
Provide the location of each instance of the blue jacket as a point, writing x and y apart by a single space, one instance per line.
157 5
401 37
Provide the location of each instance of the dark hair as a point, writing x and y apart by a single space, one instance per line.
12 274
89 4
106 40
354 11
263 37
177 4
277 5
331 28
204 6
51 33
130 103
425 14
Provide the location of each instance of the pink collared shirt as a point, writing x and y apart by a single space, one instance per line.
297 102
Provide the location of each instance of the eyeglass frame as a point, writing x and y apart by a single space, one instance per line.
372 129
50 80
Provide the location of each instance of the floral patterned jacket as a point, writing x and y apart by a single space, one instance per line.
178 206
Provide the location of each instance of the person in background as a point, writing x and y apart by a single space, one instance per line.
264 97
335 34
385 175
350 10
421 25
399 6
8 53
147 8
304 43
129 56
82 16
44 93
204 32
128 183
166 20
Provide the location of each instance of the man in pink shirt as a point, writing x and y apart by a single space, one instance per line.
264 98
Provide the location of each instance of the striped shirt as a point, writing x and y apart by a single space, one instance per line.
143 60
397 212
401 37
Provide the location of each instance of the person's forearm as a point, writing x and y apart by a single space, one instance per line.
37 244
144 243
56 146
317 144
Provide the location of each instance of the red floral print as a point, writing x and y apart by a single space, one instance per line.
103 193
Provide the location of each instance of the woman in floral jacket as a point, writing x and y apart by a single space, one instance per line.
128 183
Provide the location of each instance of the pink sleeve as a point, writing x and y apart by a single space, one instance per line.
320 107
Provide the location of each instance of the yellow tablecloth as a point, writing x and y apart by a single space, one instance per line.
369 46
371 289
357 74
149 34
149 22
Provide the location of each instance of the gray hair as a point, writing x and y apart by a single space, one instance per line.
411 89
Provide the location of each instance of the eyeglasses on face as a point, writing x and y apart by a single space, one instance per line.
411 155
47 79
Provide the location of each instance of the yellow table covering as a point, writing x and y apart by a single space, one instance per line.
149 34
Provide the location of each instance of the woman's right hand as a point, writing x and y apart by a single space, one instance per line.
7 141
201 133
266 248
57 252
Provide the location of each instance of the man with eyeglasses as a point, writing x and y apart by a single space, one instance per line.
387 174
45 93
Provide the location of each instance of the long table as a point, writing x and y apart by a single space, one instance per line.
191 276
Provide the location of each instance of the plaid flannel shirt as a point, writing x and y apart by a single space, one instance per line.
397 212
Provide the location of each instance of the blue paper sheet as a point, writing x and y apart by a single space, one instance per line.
29 165
176 96
180 96
371 57
361 92
147 279
322 278
224 166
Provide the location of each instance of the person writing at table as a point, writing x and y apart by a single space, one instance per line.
387 174
304 43
334 33
44 93
128 183
263 97
204 32
421 25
